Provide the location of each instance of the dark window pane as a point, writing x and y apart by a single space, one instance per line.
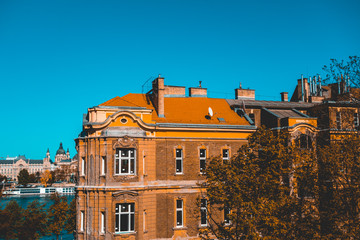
132 226
179 203
124 153
202 153
116 223
202 165
124 221
124 166
178 153
203 216
178 166
132 207
124 207
225 153
132 153
179 218
132 166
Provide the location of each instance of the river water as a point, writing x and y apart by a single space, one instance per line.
24 201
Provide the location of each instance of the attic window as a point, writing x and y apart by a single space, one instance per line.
221 119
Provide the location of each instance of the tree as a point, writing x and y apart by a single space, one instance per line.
70 225
32 178
13 217
337 69
34 221
256 195
46 178
57 214
340 185
23 177
3 178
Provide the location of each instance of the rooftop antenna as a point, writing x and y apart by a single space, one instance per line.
200 84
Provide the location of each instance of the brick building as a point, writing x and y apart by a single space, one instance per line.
142 156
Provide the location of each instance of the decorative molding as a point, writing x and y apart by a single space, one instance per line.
125 142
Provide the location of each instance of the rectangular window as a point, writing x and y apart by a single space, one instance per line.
83 166
125 217
338 120
226 215
356 120
252 117
103 165
202 160
225 154
82 220
102 227
179 213
203 212
179 161
125 161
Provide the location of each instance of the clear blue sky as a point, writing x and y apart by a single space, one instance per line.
59 57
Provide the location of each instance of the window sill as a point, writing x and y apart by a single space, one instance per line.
180 228
125 233
176 174
203 226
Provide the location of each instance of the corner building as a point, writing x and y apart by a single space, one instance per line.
142 157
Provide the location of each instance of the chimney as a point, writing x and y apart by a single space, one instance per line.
244 93
197 91
303 89
284 97
158 95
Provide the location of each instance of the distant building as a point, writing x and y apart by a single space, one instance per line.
11 166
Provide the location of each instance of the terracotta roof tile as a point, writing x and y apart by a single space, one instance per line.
192 110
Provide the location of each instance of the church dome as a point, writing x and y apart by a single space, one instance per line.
60 150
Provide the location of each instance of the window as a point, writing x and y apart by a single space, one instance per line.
304 141
202 160
179 213
356 120
102 227
338 120
125 161
82 221
203 212
125 217
226 215
179 161
83 166
103 165
252 117
225 154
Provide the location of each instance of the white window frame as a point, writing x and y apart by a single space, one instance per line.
130 216
202 160
228 153
179 159
119 159
103 165
82 221
102 226
83 166
203 210
179 210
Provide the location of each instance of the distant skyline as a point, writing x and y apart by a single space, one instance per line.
58 58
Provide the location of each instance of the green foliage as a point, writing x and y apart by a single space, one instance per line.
34 222
70 225
259 186
340 188
13 217
57 214
23 177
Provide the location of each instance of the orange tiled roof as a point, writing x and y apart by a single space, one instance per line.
192 110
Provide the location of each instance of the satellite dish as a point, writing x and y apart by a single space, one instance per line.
211 113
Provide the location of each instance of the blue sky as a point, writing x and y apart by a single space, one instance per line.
59 57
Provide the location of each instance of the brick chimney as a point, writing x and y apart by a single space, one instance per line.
158 95
284 97
197 92
241 93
